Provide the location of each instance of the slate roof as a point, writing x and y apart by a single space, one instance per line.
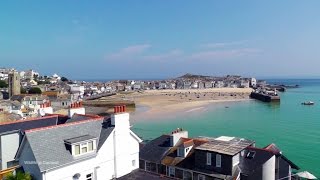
231 147
248 166
79 139
156 149
23 125
143 175
48 144
106 130
78 117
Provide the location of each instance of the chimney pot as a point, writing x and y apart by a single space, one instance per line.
114 109
124 108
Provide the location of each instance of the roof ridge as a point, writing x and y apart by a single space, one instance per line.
30 119
88 115
263 149
63 125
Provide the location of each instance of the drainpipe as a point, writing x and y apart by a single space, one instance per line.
114 155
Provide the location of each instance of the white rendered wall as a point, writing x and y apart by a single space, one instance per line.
9 146
80 110
269 169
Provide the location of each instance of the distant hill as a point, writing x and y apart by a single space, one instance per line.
193 76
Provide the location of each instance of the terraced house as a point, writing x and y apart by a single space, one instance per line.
204 158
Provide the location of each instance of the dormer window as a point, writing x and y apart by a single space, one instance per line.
82 145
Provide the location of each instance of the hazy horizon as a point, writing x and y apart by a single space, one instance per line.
157 39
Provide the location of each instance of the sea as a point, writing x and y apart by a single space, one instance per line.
293 127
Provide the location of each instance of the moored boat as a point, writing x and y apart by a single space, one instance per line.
309 103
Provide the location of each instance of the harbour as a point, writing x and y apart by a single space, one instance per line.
294 128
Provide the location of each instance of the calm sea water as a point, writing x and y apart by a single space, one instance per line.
294 128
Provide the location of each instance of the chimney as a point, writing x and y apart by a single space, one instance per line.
76 108
120 118
176 135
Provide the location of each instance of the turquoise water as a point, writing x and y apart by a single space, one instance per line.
294 128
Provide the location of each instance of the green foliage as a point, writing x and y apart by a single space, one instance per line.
43 82
64 79
23 91
3 84
34 90
19 176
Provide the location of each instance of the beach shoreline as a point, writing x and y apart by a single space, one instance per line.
150 104
158 102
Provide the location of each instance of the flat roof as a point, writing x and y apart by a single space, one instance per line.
79 139
226 145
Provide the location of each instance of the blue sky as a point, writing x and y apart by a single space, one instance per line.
155 39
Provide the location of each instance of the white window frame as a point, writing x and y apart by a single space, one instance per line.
218 160
171 170
84 145
201 177
209 158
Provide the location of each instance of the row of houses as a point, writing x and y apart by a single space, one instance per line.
89 147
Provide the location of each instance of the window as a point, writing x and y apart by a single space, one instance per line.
133 163
89 176
180 152
77 149
84 148
208 158
251 154
171 171
201 177
90 145
218 160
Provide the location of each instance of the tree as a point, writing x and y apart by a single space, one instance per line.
64 79
19 175
34 90
23 91
3 84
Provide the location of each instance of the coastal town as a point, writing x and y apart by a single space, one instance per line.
90 145
30 94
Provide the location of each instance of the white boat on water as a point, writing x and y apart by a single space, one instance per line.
308 103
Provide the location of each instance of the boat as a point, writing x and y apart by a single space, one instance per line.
309 103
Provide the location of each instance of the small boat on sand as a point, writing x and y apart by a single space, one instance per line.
308 103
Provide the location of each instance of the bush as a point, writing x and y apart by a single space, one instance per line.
34 90
19 176
3 84
64 79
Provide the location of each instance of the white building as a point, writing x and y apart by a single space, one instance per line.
86 150
253 82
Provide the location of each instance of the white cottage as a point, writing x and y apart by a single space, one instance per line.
86 150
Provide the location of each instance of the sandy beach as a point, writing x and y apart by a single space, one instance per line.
158 102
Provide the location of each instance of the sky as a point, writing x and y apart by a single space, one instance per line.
133 39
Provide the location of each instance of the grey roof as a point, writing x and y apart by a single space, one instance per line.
48 145
142 175
231 147
23 125
78 117
106 130
17 98
249 166
79 139
156 149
